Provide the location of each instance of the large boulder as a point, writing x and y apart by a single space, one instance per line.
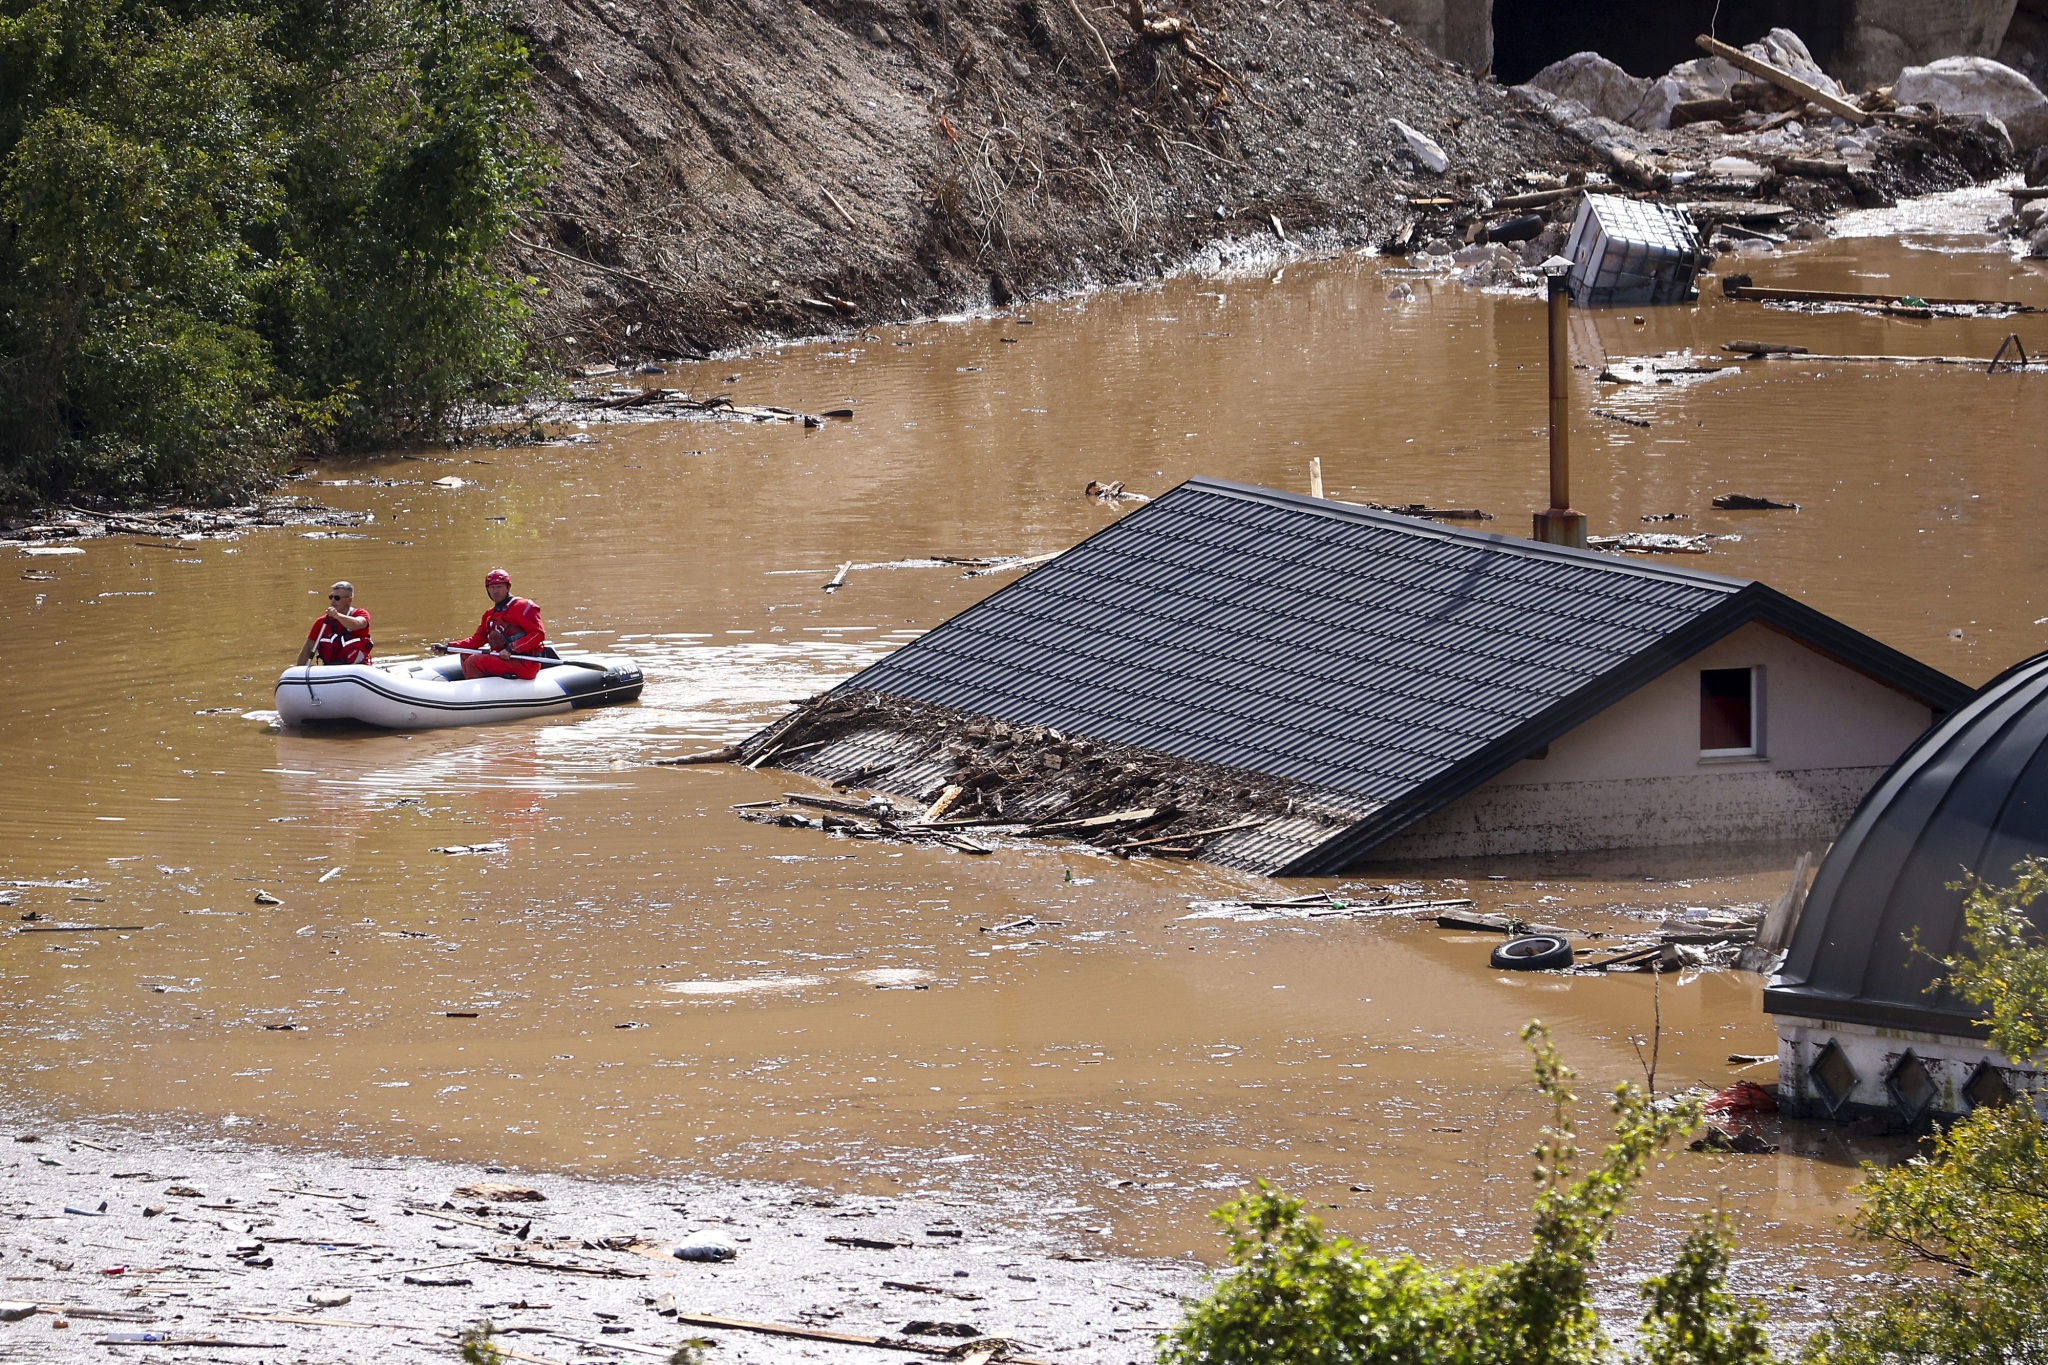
1886 36
1602 87
1709 78
1978 85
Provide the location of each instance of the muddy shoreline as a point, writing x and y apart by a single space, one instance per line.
217 1241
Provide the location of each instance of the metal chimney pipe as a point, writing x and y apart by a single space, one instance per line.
1560 525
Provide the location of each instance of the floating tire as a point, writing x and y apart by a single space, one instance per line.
1536 953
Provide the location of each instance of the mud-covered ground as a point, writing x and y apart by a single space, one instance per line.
744 169
226 1245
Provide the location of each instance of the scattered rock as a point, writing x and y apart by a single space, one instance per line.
1424 147
329 1298
265 898
15 1312
706 1246
1979 85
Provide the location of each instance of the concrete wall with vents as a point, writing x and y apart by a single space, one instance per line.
1633 776
1905 1077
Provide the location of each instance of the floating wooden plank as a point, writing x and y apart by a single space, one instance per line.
1783 79
777 1329
1767 295
1497 924
1122 817
1976 360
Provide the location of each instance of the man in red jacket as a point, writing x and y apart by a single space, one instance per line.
342 634
511 626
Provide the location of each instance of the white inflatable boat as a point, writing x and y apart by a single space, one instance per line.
431 693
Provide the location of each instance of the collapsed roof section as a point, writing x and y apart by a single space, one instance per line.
1372 665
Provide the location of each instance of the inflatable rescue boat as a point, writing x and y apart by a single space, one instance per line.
432 693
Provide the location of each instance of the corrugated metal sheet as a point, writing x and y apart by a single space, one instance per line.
1387 662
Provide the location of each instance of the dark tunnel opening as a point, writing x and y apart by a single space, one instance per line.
1649 37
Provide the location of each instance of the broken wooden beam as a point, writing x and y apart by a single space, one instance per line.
1782 78
1122 817
721 755
779 1329
1497 924
1535 199
1766 295
1762 348
1976 360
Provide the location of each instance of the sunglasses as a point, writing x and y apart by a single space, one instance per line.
337 597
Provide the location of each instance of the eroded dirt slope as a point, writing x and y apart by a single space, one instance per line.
735 168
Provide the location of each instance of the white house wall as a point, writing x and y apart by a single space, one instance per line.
1633 777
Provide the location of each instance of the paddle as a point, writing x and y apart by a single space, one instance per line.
526 658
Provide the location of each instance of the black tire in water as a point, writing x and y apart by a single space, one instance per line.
1536 953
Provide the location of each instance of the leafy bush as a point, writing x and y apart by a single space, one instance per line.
230 230
1299 1296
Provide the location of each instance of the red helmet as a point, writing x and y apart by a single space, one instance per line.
497 576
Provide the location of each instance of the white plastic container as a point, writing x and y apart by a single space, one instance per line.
1627 252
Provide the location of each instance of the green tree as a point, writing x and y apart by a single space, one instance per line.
1300 1296
233 229
1967 1224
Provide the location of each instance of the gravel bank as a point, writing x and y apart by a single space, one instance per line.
247 1235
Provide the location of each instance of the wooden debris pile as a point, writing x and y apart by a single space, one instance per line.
937 773
1320 905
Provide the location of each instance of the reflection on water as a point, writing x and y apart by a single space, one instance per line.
658 987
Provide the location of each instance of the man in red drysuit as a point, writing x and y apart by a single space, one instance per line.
511 626
342 634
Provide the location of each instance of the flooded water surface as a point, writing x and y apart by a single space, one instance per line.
636 981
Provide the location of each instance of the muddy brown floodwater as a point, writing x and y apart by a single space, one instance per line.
659 988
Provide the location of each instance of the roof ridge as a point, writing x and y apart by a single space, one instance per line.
1534 549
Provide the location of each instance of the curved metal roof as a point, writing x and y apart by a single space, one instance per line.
1970 797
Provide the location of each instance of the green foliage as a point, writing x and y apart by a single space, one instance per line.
232 228
2003 966
1692 1318
477 1348
1300 1296
1975 1210
1967 1224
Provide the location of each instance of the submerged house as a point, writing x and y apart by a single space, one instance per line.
1292 686
1858 1029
